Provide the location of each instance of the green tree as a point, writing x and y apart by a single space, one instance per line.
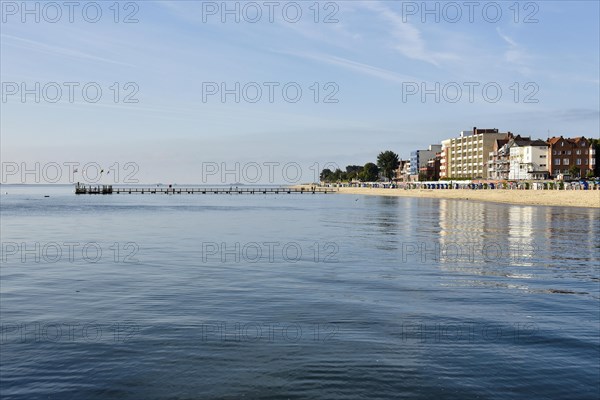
369 173
339 175
353 171
326 175
353 168
574 171
388 162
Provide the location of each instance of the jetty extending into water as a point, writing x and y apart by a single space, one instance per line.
109 189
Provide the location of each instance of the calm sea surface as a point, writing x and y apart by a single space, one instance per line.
295 296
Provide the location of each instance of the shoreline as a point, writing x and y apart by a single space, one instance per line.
561 198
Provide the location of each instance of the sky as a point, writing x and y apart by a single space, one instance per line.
272 92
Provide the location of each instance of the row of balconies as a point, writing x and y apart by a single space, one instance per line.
477 148
466 139
493 168
463 160
470 162
455 171
467 155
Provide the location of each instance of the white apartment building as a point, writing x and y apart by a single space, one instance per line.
443 166
528 159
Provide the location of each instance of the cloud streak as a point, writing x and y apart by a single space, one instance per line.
408 39
29 44
515 54
355 66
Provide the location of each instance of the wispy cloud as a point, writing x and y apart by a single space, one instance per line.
29 44
408 39
578 114
516 54
355 66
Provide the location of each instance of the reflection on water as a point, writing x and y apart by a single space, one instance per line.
521 235
388 221
526 238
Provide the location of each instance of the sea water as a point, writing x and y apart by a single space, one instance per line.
295 296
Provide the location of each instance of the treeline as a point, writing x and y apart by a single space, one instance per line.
387 164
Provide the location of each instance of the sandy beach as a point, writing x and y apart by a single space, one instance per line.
568 198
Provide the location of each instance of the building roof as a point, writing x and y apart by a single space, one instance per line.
521 142
576 140
538 142
501 142
554 140
518 141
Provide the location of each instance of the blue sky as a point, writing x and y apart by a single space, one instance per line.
371 54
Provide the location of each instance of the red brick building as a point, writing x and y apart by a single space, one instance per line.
564 153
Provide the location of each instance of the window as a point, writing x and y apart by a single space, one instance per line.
557 161
578 161
542 165
585 161
565 161
569 152
554 152
562 144
543 156
578 152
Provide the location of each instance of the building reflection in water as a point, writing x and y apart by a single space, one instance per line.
522 246
476 233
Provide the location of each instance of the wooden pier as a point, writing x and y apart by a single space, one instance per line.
109 189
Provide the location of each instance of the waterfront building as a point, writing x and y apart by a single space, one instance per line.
528 159
564 153
419 158
403 171
467 156
431 172
443 158
499 160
